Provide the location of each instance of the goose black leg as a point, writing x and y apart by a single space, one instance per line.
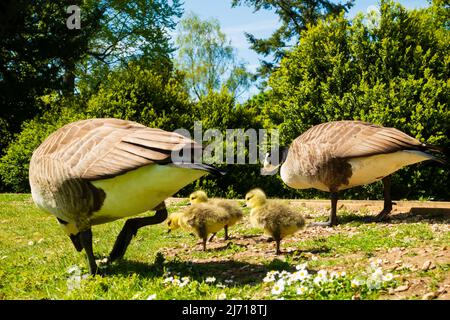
333 216
131 228
86 241
387 208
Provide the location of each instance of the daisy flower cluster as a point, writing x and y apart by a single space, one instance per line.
302 284
75 277
179 281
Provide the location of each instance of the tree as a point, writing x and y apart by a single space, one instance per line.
134 30
36 48
40 54
295 16
207 58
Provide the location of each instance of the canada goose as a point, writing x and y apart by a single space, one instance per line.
276 218
339 155
95 171
233 211
203 219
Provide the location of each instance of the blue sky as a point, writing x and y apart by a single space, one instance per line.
236 21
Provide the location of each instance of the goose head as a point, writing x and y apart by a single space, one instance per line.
273 161
255 198
198 197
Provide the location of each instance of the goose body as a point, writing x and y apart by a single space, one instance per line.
98 170
339 155
233 211
275 218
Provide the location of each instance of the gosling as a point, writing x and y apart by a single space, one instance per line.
234 212
173 222
203 219
276 218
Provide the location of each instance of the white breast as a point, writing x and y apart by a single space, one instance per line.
366 170
141 190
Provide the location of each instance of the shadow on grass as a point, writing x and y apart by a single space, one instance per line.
240 272
414 215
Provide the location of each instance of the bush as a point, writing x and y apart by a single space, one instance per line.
142 95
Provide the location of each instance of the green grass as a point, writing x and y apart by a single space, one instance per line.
35 258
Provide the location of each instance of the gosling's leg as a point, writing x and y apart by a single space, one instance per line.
333 213
86 241
130 230
212 237
226 233
387 208
278 251
204 243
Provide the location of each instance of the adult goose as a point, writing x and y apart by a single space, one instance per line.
340 155
95 171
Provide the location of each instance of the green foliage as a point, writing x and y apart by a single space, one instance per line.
36 52
390 69
207 59
295 16
144 96
14 164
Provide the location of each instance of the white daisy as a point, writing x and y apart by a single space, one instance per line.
151 297
210 280
356 283
269 278
222 296
302 290
301 266
278 287
388 277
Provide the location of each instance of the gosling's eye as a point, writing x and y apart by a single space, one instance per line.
193 198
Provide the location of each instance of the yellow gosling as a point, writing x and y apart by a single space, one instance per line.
276 218
233 210
203 219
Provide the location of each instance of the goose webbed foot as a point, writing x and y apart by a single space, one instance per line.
383 214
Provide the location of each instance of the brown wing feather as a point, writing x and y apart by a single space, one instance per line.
100 148
346 139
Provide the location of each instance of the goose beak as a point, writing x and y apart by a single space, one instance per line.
269 171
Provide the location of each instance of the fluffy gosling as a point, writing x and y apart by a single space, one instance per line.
276 218
234 212
203 219
173 222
